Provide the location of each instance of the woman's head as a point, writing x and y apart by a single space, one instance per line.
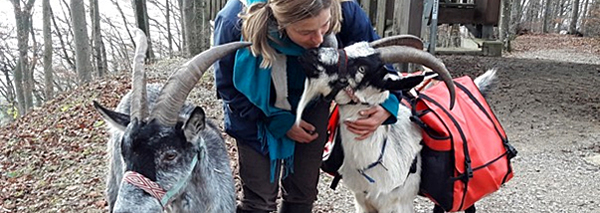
303 21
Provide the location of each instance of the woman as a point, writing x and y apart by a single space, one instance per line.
261 87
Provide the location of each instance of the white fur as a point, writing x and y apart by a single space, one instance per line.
329 56
313 87
359 49
394 189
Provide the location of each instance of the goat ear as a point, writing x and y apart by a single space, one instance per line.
195 123
115 119
404 83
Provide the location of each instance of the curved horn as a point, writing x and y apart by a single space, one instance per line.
139 104
179 85
403 54
398 40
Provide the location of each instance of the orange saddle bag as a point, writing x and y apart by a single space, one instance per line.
466 153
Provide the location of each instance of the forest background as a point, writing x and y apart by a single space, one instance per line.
50 47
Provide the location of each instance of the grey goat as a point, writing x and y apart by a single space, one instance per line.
378 168
164 155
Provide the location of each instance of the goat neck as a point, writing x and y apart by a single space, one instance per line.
179 85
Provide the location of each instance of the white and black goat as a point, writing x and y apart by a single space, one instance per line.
378 168
163 153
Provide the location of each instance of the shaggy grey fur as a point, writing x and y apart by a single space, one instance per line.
211 187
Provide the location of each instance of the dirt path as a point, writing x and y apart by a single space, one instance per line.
549 103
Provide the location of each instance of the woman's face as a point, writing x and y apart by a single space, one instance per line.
308 33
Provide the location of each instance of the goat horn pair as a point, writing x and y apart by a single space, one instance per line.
406 49
139 104
181 83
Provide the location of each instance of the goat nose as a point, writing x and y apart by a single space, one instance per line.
342 82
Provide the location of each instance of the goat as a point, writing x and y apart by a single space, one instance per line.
164 155
377 169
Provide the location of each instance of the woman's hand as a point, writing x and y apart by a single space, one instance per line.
305 133
370 120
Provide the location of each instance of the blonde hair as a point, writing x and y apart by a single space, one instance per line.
261 18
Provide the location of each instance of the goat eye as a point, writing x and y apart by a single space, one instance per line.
169 156
362 69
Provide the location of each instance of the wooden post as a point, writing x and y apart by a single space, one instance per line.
380 20
408 17
402 14
434 22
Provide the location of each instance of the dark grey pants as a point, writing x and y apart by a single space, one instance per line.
298 188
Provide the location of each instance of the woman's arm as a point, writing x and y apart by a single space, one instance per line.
357 27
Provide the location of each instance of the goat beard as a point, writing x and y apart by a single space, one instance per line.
310 92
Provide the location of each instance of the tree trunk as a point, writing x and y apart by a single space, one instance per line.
99 51
141 20
195 23
21 77
183 46
82 46
504 32
547 17
169 34
513 23
584 14
30 83
189 28
48 73
574 18
9 94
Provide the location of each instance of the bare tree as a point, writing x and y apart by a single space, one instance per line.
592 23
584 14
169 35
66 57
504 32
82 46
31 83
21 74
116 3
182 24
48 73
547 16
195 26
7 66
141 20
574 17
99 50
165 30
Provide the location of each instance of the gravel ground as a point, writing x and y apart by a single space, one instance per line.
548 102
